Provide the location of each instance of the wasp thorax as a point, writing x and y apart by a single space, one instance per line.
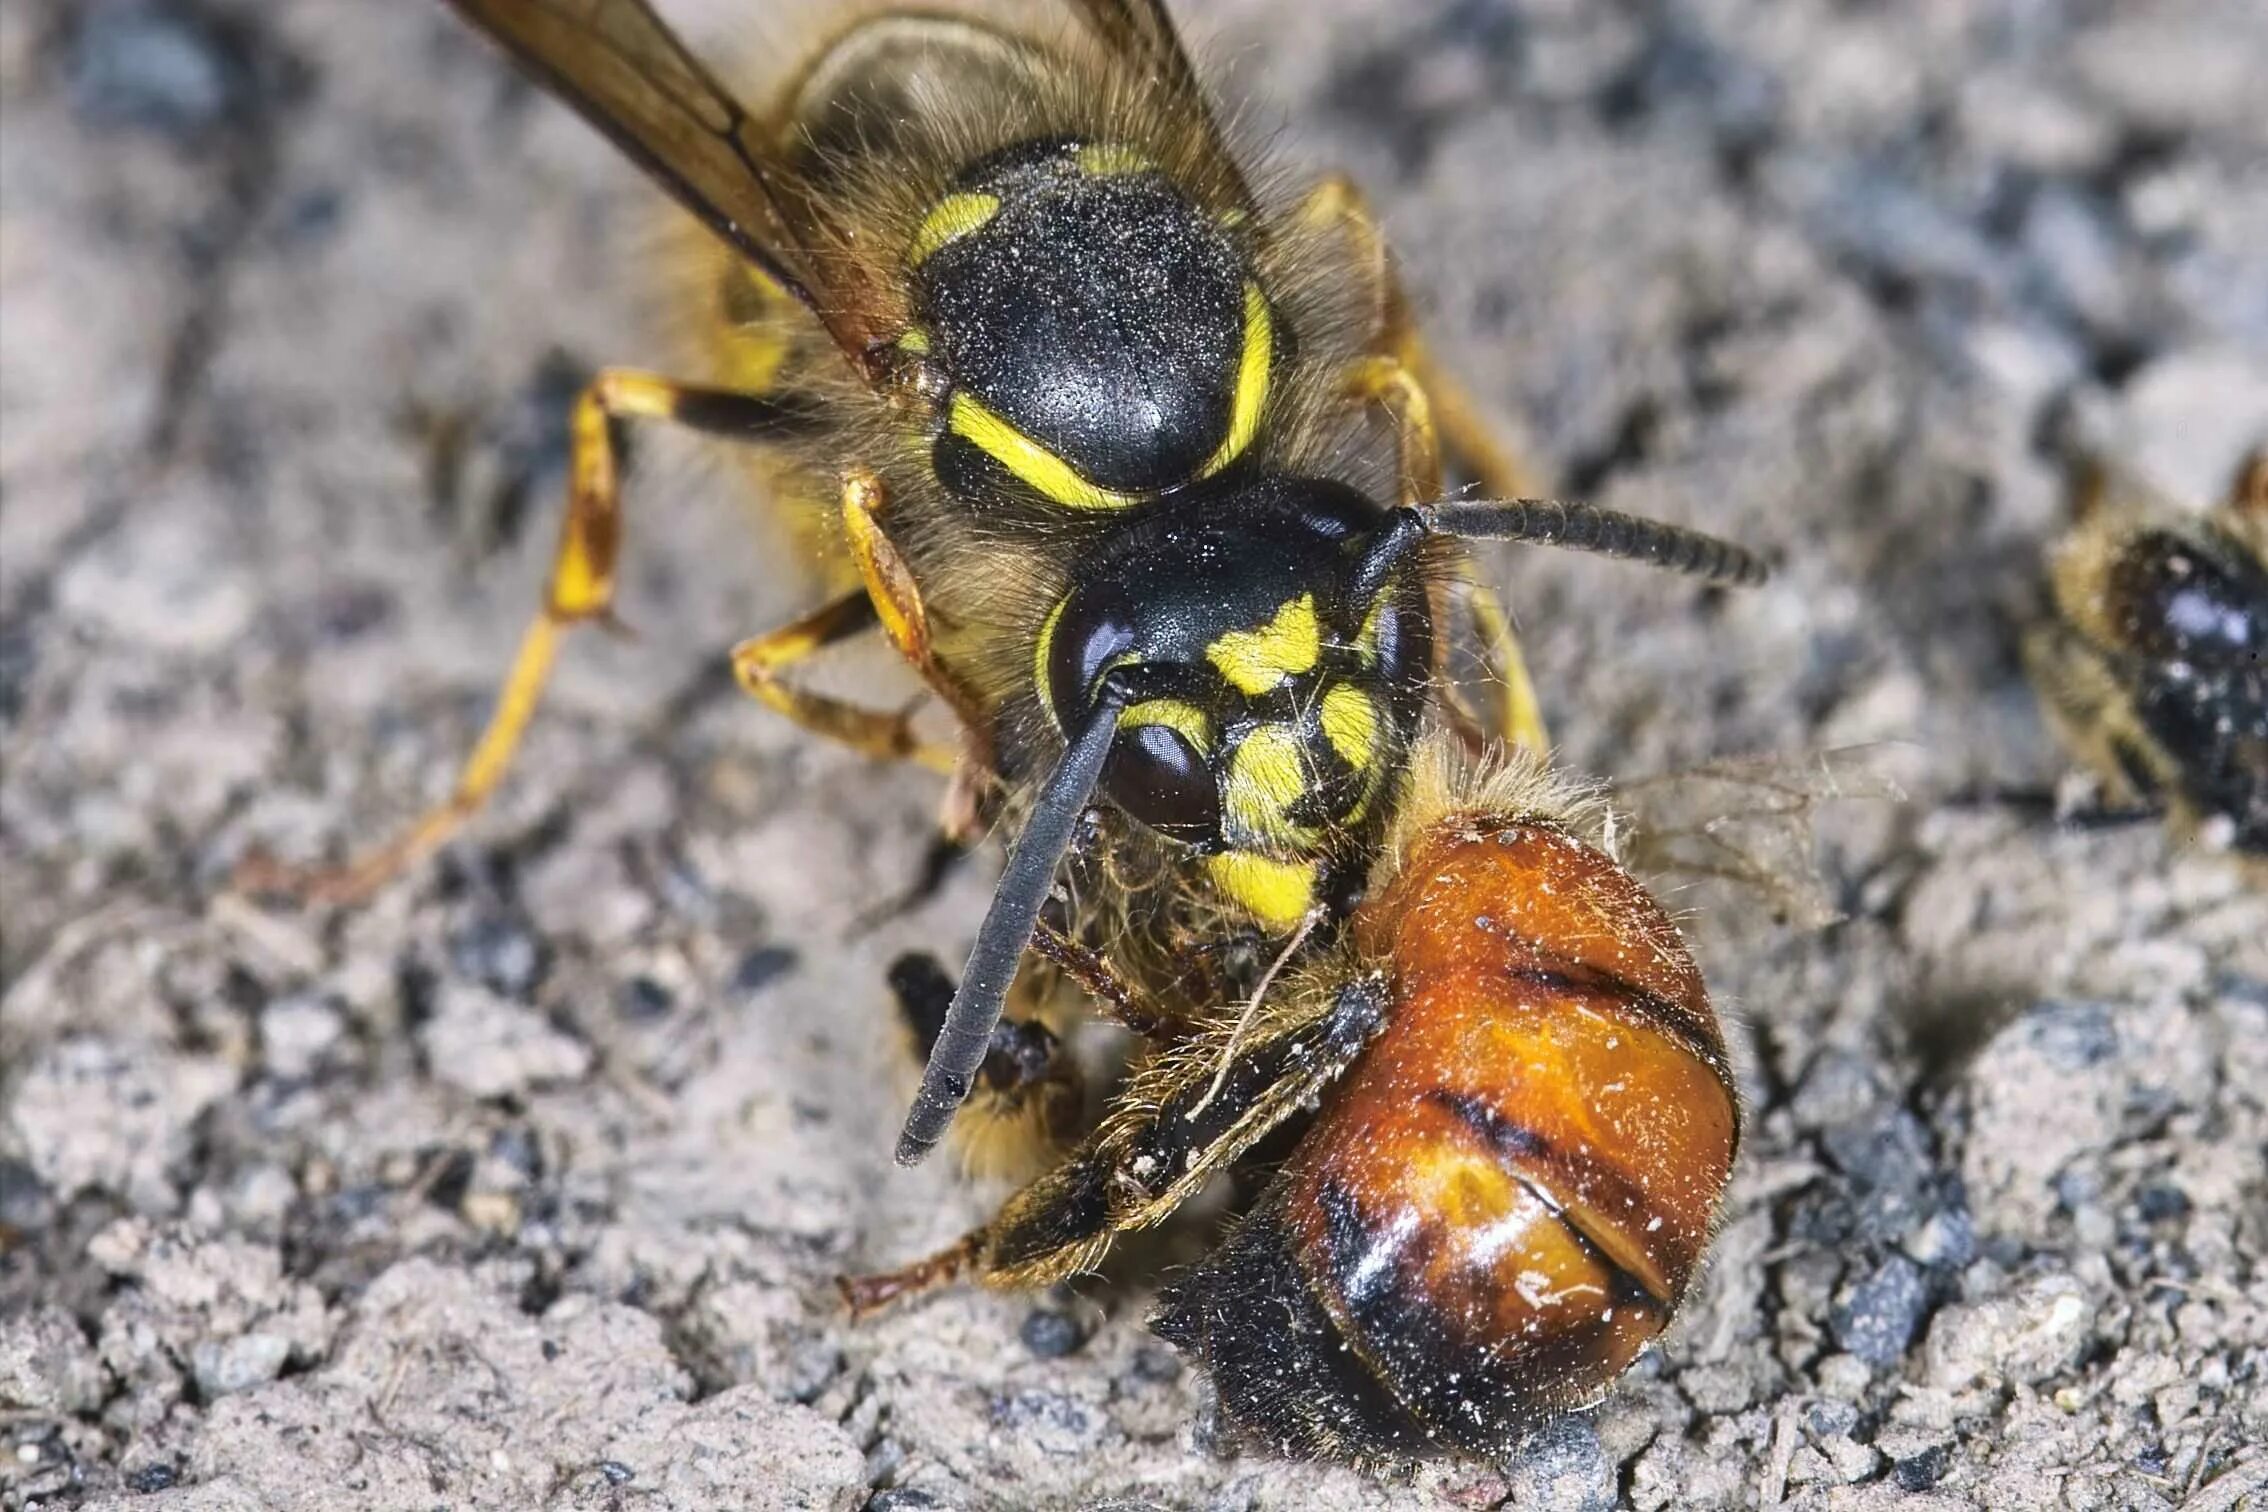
1279 689
1104 337
1504 1199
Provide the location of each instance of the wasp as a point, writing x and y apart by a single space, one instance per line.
2154 669
1525 1122
1074 409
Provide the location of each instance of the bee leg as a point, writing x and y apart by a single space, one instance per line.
1185 1116
581 587
1029 1092
1429 407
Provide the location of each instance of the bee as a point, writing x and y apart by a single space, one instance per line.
1524 1124
2155 668
1081 411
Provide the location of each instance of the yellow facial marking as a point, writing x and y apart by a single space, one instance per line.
1350 723
1041 650
952 218
1038 467
1256 660
1278 894
1266 776
1184 719
915 340
1252 372
1102 159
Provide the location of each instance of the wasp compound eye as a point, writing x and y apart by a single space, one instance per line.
1159 770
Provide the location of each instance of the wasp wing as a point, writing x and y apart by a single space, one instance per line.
1142 34
626 72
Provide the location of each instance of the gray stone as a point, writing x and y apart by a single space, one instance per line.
1881 1313
239 1364
1563 1467
46 1364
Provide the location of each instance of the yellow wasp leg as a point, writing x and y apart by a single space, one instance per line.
581 587
1383 380
1336 203
760 663
1520 714
898 603
1428 407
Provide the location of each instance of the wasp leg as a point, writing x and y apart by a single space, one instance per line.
898 602
581 587
1186 1115
1029 1093
1336 203
760 665
1118 999
1429 407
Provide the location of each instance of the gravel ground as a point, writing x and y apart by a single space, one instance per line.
523 1185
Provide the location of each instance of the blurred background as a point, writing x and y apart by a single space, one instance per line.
524 1184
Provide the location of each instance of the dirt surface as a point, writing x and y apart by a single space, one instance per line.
523 1185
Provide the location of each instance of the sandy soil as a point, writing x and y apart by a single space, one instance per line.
523 1185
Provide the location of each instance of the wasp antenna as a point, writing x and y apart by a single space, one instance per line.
966 1035
1608 532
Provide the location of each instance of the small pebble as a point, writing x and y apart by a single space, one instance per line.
296 1032
155 67
516 1146
23 1198
1053 1422
1831 1419
451 1180
903 1499
1919 1472
239 1364
150 1478
1154 1362
2160 1202
500 953
1564 1468
1883 1312
1947 1239
491 1212
616 1472
1051 1335
642 1000
761 967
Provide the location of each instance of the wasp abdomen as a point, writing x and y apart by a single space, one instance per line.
1502 1203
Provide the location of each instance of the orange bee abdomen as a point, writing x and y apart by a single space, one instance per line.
1502 1202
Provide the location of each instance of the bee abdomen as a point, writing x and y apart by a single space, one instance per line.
1503 1202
